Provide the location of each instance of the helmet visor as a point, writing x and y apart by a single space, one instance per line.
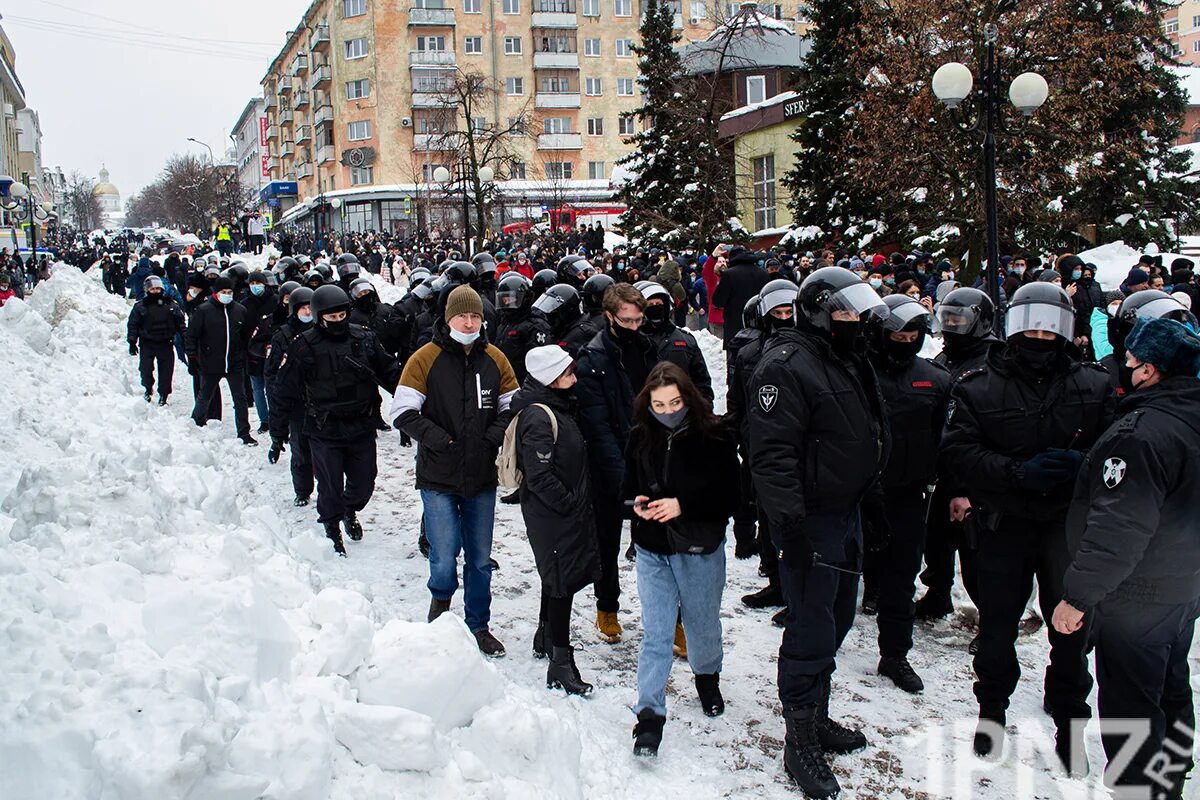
548 303
510 298
1162 307
774 299
906 314
861 299
955 319
1040 317
422 291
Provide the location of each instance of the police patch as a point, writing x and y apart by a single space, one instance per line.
1114 472
767 395
953 404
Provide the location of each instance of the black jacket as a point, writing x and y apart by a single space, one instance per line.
737 285
999 416
818 435
516 335
974 357
1132 523
335 381
742 361
698 470
556 496
915 396
605 394
388 325
217 336
281 340
455 404
156 322
679 347
582 331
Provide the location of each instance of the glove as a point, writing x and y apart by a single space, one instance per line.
405 439
798 551
1049 469
877 531
133 348
276 449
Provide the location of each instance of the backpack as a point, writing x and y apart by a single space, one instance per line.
507 471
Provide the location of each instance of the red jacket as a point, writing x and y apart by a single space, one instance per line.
6 295
716 316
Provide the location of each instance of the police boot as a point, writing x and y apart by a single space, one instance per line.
989 733
541 644
833 736
901 673
647 734
934 605
353 526
335 535
802 757
1068 745
562 673
770 596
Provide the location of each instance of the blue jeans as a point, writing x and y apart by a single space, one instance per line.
452 524
258 385
668 586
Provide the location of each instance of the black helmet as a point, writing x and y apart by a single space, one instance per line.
460 272
906 314
239 273
514 292
300 296
543 279
325 270
358 285
212 272
417 277
314 279
1040 306
832 289
750 318
445 265
304 260
779 292
484 262
327 299
349 270
287 288
966 312
1146 304
287 265
270 279
593 292
346 258
560 304
574 270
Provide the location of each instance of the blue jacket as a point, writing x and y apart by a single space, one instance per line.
698 294
135 282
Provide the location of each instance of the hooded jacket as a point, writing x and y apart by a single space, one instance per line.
216 337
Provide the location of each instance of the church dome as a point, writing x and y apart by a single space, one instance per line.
104 187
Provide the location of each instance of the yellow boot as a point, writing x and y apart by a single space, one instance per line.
680 646
610 629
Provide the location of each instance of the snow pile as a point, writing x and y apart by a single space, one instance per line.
1114 260
164 635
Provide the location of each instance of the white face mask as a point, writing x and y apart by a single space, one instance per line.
463 338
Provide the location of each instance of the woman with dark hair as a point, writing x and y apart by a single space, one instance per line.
681 481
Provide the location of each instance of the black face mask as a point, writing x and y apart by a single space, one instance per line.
337 330
901 353
956 344
622 334
365 303
1117 331
1038 356
1125 377
154 299
658 317
846 336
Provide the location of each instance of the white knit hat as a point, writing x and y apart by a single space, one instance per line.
547 363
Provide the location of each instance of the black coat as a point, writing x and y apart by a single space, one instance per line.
701 471
217 336
156 322
737 285
516 335
281 340
749 343
915 396
1132 523
582 331
680 348
556 496
382 318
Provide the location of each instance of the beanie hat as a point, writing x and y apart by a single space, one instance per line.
740 255
878 260
258 276
1184 299
1137 277
546 363
1167 344
463 300
1182 275
221 284
1182 263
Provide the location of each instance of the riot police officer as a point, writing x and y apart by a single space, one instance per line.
1146 304
299 319
818 440
1016 433
336 370
584 329
519 330
673 343
370 312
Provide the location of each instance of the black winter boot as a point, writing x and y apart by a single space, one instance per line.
562 673
833 736
1069 746
934 605
334 533
300 501
770 596
437 608
709 689
901 673
989 733
802 757
353 526
647 734
541 647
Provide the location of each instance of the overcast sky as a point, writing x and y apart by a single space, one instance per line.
126 82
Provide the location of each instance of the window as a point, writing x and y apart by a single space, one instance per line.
593 87
1171 26
595 126
356 48
512 6
556 125
358 215
623 8
624 48
473 45
432 4
764 192
478 124
354 8
1196 22
516 171
1196 46
699 9
591 47
591 8
1196 135
432 44
756 89
558 170
359 176
516 126
394 213
431 80
625 87
514 86
557 85
471 7
356 90
512 45
627 126
596 171
359 130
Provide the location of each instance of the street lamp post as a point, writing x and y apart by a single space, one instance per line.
18 200
336 205
952 84
485 174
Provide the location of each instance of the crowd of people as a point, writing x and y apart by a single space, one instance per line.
1048 441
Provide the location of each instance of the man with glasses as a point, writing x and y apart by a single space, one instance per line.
611 370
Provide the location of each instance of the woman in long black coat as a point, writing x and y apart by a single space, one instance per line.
556 502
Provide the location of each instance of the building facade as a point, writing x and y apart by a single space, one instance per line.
29 155
250 148
763 152
1181 23
111 210
12 101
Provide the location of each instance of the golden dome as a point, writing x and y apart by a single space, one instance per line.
104 187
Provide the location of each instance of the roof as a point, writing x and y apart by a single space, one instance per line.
292 36
251 108
754 42
1189 81
782 97
106 188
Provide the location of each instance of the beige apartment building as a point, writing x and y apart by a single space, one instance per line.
1181 24
358 104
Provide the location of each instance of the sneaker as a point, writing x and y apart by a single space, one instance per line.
489 645
902 674
609 627
263 427
679 648
300 501
248 440
769 596
162 401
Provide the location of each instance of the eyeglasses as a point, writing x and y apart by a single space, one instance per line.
631 321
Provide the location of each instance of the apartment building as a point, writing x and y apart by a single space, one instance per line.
1181 23
250 151
358 101
12 100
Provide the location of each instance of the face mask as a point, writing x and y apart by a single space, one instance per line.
463 338
901 352
338 330
1075 275
890 281
846 335
257 289
622 334
1038 355
875 283
224 299
949 276
670 419
305 317
1125 377
366 302
657 316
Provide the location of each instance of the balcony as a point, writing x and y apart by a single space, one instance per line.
286 116
432 100
443 17
321 75
285 85
304 170
431 58
270 102
300 100
272 132
560 141
325 154
287 149
303 133
299 65
557 100
320 39
556 60
323 115
554 19
273 163
433 142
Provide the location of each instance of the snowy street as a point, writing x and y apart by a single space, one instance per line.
171 627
